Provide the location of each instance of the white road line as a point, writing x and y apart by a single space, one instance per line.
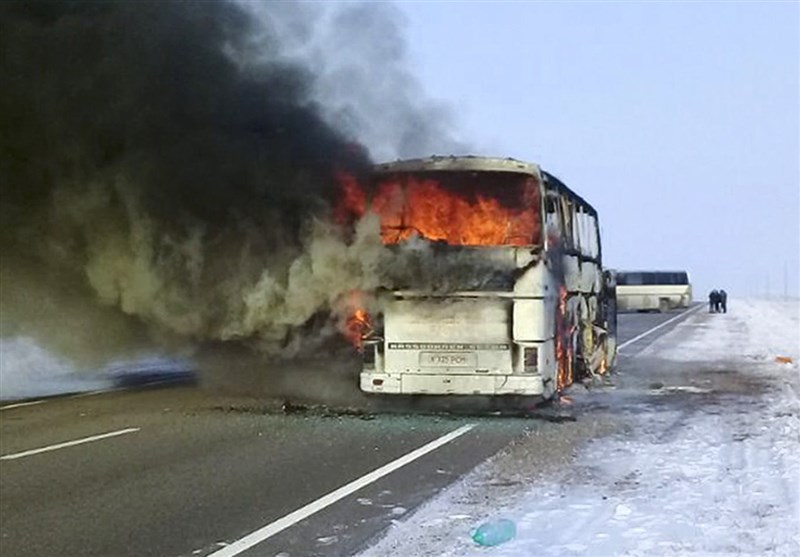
21 404
302 513
58 397
657 327
95 393
49 448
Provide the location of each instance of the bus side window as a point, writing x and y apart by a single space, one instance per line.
594 233
552 217
635 279
566 222
587 233
577 229
581 230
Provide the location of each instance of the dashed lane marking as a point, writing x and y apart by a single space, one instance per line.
66 444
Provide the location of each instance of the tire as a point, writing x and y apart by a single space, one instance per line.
663 305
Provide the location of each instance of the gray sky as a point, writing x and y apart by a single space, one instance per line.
678 121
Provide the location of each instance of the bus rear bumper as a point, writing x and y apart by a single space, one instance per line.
451 384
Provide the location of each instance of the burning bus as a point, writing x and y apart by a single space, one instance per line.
499 287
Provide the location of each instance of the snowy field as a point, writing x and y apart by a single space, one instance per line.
706 460
29 371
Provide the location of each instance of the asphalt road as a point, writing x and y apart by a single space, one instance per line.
632 325
177 471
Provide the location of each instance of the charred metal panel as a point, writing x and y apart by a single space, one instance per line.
591 277
572 273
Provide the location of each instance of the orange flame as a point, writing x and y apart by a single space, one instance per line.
563 342
353 202
358 326
409 205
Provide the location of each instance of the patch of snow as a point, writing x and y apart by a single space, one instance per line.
704 471
28 371
758 330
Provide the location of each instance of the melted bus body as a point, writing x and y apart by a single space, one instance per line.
529 313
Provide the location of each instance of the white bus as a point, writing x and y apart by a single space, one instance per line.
653 290
530 314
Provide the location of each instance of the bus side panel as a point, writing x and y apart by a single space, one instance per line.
533 320
591 278
648 297
587 346
572 274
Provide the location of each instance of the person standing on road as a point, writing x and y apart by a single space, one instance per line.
713 301
723 301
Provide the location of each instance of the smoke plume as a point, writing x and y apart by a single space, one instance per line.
359 57
177 160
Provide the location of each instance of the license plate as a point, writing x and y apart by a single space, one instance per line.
448 359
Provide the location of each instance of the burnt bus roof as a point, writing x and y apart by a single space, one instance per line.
559 185
462 163
479 164
626 272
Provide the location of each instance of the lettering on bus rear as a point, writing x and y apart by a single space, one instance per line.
447 346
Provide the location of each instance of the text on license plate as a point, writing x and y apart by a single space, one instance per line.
448 359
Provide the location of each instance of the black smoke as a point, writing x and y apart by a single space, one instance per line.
167 152
165 94
168 168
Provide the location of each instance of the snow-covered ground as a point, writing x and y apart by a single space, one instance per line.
706 460
27 370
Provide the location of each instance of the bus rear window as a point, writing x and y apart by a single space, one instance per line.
459 208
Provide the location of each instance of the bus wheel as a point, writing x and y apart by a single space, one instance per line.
663 305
